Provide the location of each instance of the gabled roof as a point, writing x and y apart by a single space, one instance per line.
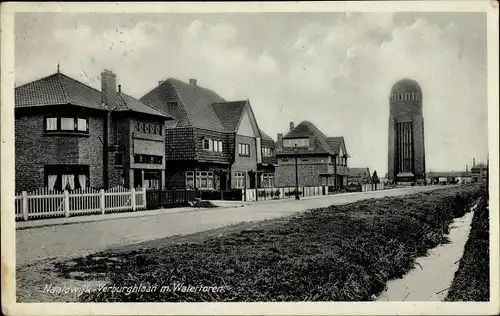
57 89
125 102
230 113
336 143
266 137
357 172
319 142
194 107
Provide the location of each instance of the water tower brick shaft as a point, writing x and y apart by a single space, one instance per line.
406 132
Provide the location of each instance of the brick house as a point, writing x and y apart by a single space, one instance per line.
357 176
211 144
69 135
321 160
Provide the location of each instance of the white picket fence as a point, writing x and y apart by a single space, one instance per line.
51 203
372 187
282 193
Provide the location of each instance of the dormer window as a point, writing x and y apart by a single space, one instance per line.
299 142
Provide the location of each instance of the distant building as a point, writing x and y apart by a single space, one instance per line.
449 177
479 173
406 133
357 176
321 160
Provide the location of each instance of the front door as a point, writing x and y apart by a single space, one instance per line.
252 180
137 178
223 181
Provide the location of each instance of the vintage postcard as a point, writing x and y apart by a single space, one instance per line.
281 158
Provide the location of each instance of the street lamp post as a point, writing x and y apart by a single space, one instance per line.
296 149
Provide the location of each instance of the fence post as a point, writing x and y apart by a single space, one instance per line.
144 197
25 205
66 203
185 196
132 198
102 198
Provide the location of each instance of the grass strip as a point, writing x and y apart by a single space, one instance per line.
338 253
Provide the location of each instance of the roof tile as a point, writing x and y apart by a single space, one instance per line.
57 89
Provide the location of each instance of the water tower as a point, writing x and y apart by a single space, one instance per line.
406 133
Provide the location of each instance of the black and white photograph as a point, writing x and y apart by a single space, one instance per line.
281 153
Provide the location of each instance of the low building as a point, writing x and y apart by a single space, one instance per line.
69 136
449 177
358 176
320 160
479 173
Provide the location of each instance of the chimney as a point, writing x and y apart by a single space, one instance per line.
108 89
193 82
466 168
279 142
292 125
473 162
119 88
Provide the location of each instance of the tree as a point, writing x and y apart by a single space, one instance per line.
375 178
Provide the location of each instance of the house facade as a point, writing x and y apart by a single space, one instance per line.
70 136
357 176
211 144
479 173
321 160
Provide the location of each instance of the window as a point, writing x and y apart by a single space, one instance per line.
206 144
267 151
51 123
244 149
118 159
204 179
299 142
212 145
148 159
149 128
304 158
66 124
66 177
240 180
189 179
82 125
267 180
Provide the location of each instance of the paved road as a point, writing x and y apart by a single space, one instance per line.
65 241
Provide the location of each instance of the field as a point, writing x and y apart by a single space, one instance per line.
472 279
339 253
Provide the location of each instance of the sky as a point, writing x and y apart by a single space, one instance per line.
333 69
